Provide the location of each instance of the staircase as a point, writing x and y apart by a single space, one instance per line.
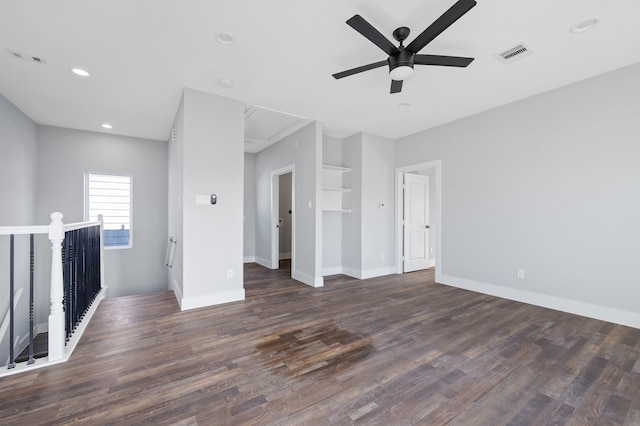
75 287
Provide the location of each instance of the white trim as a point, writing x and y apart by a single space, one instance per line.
307 279
24 230
68 350
177 292
211 299
604 313
249 259
432 263
275 207
77 334
263 262
283 256
79 225
435 221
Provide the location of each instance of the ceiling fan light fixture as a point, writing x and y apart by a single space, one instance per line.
401 72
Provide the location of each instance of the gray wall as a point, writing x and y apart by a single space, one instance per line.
304 149
249 231
65 155
549 184
368 231
18 174
378 158
351 222
332 221
213 163
176 200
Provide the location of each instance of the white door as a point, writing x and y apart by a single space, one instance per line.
416 222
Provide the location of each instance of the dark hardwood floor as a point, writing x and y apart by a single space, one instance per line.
396 350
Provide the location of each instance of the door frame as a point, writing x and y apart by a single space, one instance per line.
275 215
436 165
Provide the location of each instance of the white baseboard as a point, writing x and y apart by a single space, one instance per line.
249 259
432 263
264 262
618 316
307 279
77 334
177 292
284 256
211 299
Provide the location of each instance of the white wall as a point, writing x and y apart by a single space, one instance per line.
550 185
303 149
64 155
213 163
249 231
18 175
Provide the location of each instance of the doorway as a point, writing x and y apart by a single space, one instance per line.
418 237
283 218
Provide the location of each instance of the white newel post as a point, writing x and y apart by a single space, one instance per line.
101 220
56 316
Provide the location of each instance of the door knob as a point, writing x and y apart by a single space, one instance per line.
426 226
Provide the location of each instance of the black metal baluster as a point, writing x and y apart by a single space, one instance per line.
67 265
12 358
31 268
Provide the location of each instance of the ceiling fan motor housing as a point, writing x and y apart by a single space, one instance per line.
403 58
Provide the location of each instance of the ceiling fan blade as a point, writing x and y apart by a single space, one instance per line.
454 13
359 24
396 86
445 61
352 71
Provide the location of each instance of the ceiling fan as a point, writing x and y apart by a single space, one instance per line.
402 59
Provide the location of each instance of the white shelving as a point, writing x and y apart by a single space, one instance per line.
332 190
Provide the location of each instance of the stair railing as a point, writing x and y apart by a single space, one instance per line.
76 282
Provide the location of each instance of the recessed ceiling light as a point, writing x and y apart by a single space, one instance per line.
404 104
107 126
225 38
225 82
80 72
584 26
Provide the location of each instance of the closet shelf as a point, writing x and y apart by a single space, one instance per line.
336 168
326 188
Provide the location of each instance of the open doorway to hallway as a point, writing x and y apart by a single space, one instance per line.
283 218
284 221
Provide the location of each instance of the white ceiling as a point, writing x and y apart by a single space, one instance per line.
142 53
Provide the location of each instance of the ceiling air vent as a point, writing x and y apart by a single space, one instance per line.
511 55
26 57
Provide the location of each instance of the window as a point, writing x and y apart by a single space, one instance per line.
110 196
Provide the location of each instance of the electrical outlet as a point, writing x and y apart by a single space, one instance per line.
430 250
229 273
381 256
520 274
